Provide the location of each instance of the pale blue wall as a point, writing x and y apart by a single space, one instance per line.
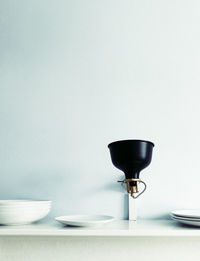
76 75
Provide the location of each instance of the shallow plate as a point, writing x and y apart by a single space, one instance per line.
188 222
185 218
190 213
84 220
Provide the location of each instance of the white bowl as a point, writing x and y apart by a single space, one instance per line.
25 206
27 209
19 214
24 202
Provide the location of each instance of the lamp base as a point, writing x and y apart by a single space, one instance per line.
132 208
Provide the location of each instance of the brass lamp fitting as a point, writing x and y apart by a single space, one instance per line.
132 186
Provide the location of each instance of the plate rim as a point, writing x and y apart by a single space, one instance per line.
175 213
84 222
186 219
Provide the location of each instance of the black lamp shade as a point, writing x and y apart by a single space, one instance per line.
131 156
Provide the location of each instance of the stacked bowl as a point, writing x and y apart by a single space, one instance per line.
20 212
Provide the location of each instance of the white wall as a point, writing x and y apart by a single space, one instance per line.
76 75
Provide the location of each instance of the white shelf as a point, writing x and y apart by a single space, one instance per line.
141 228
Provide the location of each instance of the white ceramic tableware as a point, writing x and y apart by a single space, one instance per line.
84 220
188 222
184 218
187 213
19 212
6 203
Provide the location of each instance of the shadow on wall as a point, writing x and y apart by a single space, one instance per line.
165 216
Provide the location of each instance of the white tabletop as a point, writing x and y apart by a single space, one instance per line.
141 228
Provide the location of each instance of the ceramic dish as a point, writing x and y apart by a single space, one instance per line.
188 222
17 202
20 213
84 220
193 213
183 218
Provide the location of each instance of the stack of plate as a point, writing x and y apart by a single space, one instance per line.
188 217
19 212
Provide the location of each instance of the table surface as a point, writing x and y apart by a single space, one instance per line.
140 228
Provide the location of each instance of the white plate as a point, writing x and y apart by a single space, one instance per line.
188 222
190 213
84 220
184 218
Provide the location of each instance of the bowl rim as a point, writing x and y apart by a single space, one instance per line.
23 202
121 141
